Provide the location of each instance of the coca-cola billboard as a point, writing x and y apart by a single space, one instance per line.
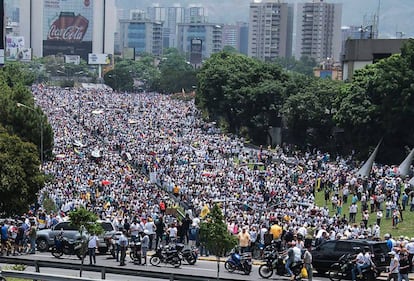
67 27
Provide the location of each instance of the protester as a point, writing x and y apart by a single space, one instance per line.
122 155
92 247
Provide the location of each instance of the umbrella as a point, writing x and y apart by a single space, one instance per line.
106 182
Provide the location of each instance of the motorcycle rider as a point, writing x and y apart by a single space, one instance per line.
362 261
293 256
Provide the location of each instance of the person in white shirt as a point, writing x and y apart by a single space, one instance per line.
134 230
123 243
172 233
92 245
150 227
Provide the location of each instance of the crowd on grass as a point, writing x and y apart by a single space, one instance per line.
130 157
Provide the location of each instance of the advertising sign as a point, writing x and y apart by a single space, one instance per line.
72 59
99 58
14 42
67 27
196 51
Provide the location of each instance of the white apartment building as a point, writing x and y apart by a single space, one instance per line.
270 30
318 30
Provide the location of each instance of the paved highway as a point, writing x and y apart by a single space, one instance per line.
201 268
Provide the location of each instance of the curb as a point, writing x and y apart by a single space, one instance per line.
223 259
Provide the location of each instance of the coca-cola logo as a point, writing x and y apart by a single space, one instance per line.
68 28
70 33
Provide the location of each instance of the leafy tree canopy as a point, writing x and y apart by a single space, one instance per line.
20 177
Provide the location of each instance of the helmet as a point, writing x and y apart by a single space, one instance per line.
146 231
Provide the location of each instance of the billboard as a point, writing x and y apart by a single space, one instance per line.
67 27
196 51
99 58
19 54
72 59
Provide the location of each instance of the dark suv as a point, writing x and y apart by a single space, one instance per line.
329 252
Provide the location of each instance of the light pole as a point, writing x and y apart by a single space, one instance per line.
41 129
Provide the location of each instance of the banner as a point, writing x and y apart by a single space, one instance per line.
67 27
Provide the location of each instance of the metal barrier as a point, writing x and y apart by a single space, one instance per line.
95 268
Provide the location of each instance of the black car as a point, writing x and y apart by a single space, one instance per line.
329 252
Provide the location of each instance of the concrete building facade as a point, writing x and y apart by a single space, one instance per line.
270 30
68 27
318 30
143 36
361 52
210 35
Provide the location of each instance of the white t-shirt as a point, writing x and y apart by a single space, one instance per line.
173 232
93 241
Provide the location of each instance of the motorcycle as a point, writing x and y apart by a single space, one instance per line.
68 247
239 262
167 255
190 255
343 269
275 262
135 253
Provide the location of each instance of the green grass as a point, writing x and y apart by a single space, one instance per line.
405 227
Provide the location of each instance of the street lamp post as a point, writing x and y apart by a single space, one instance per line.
41 129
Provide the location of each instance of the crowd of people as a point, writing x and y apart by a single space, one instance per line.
122 155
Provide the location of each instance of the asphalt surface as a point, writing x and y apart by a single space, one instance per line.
205 266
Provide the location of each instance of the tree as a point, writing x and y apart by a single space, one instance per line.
119 79
175 73
310 108
26 122
379 103
86 222
214 233
20 177
241 92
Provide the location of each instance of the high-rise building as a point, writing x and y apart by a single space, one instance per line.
270 30
141 35
210 35
318 30
170 16
236 36
68 27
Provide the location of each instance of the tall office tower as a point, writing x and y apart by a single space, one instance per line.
208 36
236 36
270 30
318 30
195 14
170 16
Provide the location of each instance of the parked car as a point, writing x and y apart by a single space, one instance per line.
46 237
329 252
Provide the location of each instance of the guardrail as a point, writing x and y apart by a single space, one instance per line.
95 268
